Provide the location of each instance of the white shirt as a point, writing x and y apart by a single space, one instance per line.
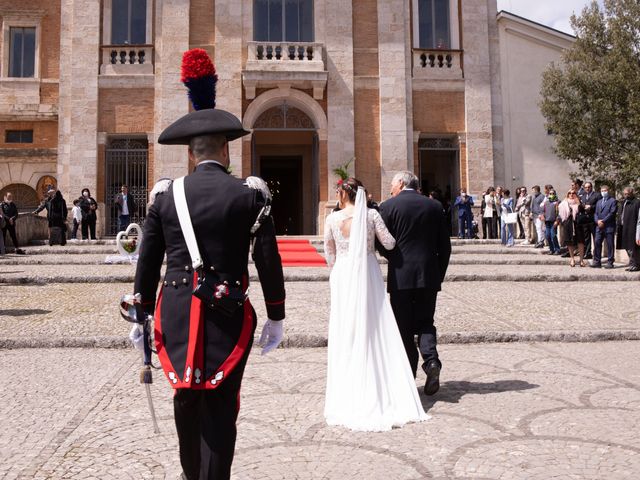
125 207
77 213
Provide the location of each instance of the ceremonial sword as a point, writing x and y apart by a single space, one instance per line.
131 310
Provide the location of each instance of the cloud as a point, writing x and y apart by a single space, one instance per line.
553 13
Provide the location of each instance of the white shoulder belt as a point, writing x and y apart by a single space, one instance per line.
182 208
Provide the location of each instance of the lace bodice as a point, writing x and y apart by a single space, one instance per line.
337 244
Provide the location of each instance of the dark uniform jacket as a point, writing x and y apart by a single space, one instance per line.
423 247
628 219
197 346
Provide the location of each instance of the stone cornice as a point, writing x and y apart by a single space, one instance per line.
28 152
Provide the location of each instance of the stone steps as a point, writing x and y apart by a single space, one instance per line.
91 258
34 274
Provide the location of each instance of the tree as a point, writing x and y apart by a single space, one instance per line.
591 101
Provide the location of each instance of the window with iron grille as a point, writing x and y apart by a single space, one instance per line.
18 136
129 22
434 26
22 52
283 20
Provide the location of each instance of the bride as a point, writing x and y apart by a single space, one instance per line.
370 386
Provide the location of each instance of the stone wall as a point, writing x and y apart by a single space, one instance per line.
126 110
438 112
367 95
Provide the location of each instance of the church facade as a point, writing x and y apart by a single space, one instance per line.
378 86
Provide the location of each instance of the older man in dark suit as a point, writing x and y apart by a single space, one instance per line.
417 266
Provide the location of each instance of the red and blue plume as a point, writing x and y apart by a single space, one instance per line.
199 76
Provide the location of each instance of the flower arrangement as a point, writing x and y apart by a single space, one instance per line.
129 245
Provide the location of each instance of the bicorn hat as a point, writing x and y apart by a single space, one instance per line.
199 76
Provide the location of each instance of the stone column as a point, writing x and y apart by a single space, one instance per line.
78 105
338 30
171 101
228 60
396 101
478 100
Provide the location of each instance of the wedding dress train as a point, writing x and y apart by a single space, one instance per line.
370 386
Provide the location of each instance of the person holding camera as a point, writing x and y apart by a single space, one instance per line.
126 206
465 216
88 206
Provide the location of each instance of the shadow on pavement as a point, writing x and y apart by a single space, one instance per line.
23 312
452 392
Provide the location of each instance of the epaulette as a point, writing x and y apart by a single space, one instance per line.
159 188
256 183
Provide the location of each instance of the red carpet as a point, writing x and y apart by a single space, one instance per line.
296 252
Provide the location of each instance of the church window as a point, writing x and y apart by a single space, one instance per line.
283 20
129 22
434 24
22 53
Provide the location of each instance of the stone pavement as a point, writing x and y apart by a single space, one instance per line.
74 314
504 411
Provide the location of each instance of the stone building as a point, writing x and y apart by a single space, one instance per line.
86 86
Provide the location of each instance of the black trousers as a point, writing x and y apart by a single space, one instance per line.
12 233
206 425
89 225
414 310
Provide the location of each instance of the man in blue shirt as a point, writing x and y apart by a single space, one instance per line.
605 220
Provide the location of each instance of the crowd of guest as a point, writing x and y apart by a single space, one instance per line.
579 223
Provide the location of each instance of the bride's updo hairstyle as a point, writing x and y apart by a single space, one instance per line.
350 185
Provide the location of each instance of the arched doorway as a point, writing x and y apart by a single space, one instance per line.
285 153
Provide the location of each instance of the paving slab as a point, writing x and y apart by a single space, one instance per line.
80 314
525 411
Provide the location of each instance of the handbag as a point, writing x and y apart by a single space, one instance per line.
583 218
511 218
217 292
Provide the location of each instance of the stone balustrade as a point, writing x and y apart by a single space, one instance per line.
438 63
275 64
306 54
127 60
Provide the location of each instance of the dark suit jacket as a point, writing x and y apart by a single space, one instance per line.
222 211
423 247
590 200
606 211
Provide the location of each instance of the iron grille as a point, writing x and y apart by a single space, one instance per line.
126 164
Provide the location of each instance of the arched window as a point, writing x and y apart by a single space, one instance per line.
283 20
25 197
434 24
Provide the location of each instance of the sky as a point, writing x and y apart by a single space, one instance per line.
554 13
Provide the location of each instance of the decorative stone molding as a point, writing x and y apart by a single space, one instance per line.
293 98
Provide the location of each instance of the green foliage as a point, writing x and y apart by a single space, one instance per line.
343 170
591 101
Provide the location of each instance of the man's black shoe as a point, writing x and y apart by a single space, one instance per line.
595 265
588 256
634 268
565 255
609 265
432 385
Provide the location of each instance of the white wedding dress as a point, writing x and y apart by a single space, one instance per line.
370 386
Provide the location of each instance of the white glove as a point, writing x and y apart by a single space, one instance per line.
137 337
272 334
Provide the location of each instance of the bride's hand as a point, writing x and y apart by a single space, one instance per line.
271 336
